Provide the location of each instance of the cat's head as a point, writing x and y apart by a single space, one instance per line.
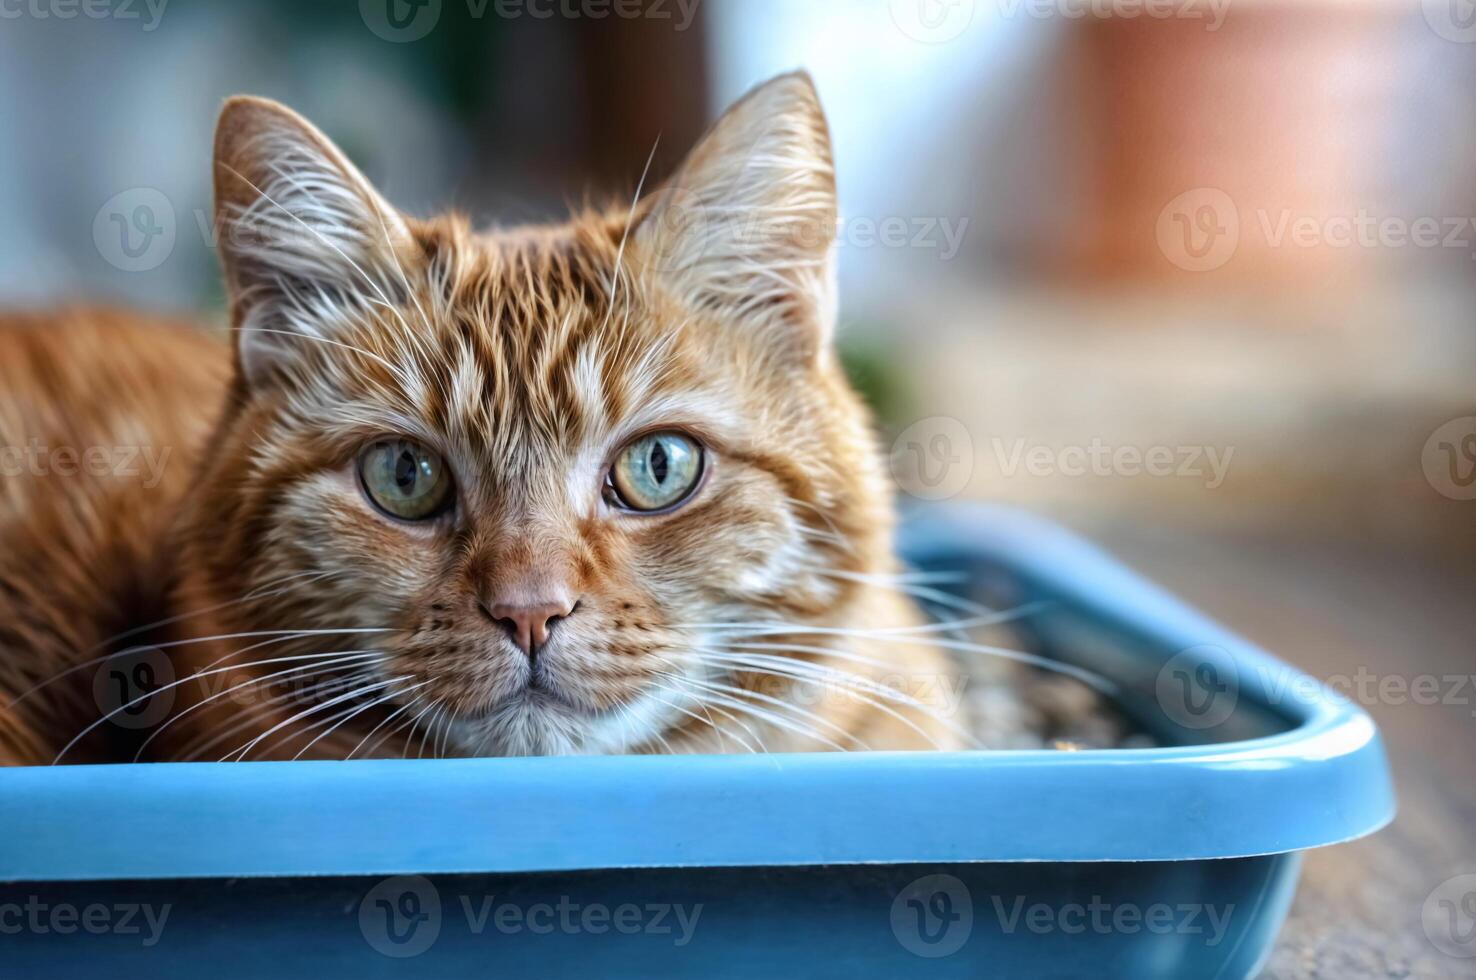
550 463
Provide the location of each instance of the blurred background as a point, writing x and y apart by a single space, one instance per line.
1196 277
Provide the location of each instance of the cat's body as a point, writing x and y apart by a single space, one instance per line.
102 417
596 487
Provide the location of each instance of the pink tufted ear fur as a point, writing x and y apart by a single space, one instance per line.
746 226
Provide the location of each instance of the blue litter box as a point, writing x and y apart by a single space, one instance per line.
1177 861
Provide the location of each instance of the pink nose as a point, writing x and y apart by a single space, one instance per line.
528 623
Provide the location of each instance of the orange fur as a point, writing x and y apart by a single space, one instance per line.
81 554
526 358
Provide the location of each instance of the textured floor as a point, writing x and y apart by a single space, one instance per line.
1358 912
1324 542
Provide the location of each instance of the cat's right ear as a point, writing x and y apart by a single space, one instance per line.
745 227
302 234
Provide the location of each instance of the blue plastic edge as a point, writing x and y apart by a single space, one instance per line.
1322 782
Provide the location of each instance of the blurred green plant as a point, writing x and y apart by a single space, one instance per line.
449 63
875 366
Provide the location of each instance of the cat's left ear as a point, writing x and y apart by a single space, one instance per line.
302 233
745 227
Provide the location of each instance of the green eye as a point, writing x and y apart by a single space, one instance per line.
656 471
405 480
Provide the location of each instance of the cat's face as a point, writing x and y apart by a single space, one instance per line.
545 466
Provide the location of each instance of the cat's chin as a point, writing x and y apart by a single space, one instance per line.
532 722
536 721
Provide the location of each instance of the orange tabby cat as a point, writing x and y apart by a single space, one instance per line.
594 487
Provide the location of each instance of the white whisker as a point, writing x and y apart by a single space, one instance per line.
806 670
358 711
787 705
385 721
245 750
249 683
184 680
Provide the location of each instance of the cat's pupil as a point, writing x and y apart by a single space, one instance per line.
659 463
405 471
